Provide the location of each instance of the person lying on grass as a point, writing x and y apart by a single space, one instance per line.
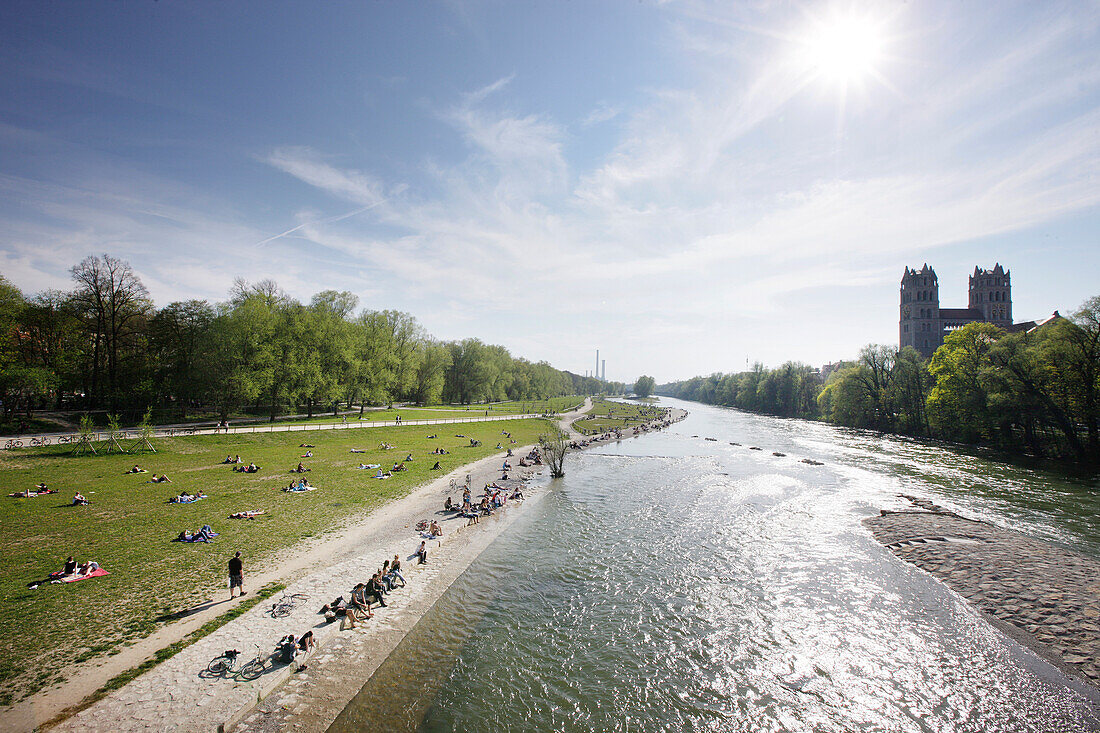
162 479
363 466
307 454
306 445
206 534
88 568
250 514
137 469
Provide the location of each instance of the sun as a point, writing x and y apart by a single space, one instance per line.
843 48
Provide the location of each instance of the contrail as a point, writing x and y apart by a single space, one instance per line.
330 220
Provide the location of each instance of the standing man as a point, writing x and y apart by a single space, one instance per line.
236 574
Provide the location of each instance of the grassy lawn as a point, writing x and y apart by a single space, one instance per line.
129 527
606 415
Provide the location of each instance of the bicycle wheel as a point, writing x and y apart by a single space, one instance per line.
253 669
279 610
219 666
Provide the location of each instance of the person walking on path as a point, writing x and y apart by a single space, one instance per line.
236 574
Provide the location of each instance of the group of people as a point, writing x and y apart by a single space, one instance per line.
301 484
206 534
250 468
233 459
531 459
366 595
38 490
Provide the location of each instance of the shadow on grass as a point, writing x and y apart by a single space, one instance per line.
177 615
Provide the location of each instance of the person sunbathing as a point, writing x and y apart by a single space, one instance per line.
306 445
300 468
162 479
136 469
307 454
87 569
380 474
252 468
69 567
79 500
250 514
435 530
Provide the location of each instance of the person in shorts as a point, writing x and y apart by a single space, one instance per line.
236 574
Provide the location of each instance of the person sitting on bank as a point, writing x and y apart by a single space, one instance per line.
435 530
422 553
437 467
79 500
395 570
448 505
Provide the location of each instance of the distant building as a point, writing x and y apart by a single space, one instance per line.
923 324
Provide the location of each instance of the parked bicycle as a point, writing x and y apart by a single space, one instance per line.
285 605
228 664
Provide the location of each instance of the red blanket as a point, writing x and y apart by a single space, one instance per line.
94 574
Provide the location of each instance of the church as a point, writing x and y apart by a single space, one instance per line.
924 323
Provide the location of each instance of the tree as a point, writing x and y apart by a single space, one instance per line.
959 403
554 446
113 298
644 386
182 342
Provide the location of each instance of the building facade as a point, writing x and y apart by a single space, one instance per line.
923 323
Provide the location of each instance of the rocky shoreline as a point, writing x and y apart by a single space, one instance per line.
1044 596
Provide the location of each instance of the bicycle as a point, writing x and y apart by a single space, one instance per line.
223 665
13 444
40 441
285 605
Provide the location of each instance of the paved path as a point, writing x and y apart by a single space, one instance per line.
1044 596
31 441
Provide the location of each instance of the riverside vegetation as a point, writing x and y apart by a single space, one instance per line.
104 347
129 527
1035 392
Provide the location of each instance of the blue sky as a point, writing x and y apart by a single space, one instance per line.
688 186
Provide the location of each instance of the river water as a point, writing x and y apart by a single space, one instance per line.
671 583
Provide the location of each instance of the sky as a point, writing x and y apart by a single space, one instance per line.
687 186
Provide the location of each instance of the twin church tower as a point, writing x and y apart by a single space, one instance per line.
924 323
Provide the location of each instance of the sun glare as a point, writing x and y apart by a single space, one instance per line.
844 49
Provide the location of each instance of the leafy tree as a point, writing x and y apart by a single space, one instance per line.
644 386
959 403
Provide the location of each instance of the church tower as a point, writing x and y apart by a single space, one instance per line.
920 325
991 293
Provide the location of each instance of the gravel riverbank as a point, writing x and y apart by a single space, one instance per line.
1044 596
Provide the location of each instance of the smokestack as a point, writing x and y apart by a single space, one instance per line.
603 372
597 372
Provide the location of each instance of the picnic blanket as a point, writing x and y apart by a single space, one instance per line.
369 465
94 574
192 500
299 489
32 494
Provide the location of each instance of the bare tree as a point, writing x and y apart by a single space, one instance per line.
112 297
554 447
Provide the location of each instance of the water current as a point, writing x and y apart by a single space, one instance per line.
671 583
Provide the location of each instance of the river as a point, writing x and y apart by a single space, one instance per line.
671 583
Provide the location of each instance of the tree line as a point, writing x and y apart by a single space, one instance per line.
104 345
1035 392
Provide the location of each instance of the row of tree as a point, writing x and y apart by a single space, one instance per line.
1036 392
104 345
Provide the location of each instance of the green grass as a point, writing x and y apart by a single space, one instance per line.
606 415
129 527
443 412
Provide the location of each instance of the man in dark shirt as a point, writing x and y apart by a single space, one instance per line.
236 574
